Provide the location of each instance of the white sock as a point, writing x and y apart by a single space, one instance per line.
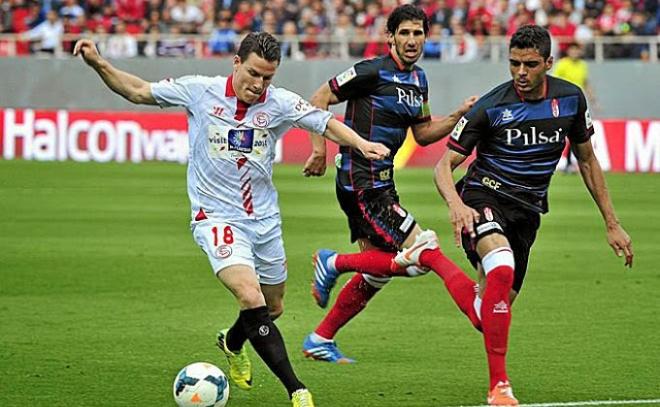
319 339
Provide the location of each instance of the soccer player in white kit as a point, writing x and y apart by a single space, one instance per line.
233 125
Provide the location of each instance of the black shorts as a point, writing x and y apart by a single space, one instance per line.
375 214
501 215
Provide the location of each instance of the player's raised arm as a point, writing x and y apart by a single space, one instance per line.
460 215
341 134
592 174
433 130
315 164
132 88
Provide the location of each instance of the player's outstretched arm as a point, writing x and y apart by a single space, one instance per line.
431 131
594 179
129 86
461 216
315 164
341 134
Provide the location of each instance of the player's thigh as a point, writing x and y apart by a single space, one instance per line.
387 224
491 227
522 235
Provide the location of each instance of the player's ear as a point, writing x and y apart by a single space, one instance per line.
236 62
549 62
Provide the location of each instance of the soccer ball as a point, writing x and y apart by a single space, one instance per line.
201 385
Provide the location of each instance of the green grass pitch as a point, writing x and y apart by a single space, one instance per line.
104 297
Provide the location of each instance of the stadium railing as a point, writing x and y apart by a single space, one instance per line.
301 47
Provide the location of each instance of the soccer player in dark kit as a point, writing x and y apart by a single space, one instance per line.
385 97
519 130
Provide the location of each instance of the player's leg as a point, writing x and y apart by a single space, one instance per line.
378 221
352 299
229 250
497 261
422 249
265 337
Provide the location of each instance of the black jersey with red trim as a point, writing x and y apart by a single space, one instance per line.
384 100
519 142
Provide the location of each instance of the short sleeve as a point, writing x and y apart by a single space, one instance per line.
469 130
425 112
583 127
356 80
183 91
300 113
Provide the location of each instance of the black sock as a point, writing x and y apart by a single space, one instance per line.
236 336
268 343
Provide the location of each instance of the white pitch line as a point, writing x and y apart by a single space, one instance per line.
585 403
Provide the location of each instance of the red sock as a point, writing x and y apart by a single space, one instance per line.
496 319
372 262
460 286
352 299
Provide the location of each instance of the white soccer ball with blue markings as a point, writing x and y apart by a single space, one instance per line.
201 385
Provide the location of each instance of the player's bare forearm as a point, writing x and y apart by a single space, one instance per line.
461 216
443 176
594 180
343 135
435 130
131 87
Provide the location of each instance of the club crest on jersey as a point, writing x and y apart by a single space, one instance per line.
261 119
458 129
488 213
555 108
346 76
240 140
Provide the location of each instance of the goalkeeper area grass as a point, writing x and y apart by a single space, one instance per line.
104 296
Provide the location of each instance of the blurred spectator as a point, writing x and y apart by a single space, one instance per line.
289 47
223 39
562 30
433 45
121 44
130 10
174 45
243 16
442 14
463 47
149 48
47 34
187 16
72 9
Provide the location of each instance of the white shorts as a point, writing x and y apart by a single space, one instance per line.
250 242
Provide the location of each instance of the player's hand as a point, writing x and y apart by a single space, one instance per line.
374 151
315 165
467 104
88 51
620 243
462 217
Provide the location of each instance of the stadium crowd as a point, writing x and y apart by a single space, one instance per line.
309 28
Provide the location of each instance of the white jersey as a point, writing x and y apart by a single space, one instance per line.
232 144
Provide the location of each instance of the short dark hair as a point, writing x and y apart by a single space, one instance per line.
406 12
261 43
532 36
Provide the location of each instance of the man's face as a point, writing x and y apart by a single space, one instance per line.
408 41
252 77
528 69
